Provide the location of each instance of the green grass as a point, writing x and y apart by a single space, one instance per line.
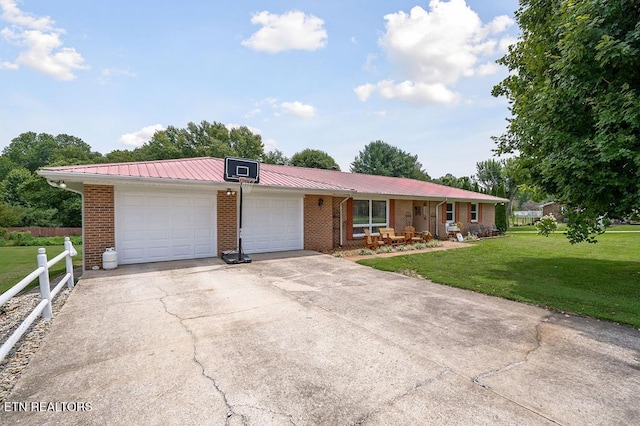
599 280
18 262
562 227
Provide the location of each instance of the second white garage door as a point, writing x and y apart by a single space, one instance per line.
272 223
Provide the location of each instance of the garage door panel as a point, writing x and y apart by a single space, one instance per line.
153 227
271 223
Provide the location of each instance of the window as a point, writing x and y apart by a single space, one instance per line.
451 212
368 214
474 212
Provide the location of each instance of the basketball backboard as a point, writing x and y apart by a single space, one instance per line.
241 168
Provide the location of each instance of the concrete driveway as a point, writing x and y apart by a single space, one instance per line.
304 339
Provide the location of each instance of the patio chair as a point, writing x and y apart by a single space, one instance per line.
474 230
390 237
371 241
410 235
484 232
494 230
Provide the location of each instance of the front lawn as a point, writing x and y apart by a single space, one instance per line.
600 280
18 262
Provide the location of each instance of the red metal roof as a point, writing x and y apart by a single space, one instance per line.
207 169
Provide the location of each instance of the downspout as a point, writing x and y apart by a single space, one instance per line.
437 218
341 223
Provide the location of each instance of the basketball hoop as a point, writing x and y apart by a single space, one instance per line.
245 172
246 184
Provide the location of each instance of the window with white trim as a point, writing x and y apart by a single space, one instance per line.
474 212
451 212
369 214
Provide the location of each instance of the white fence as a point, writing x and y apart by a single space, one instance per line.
44 307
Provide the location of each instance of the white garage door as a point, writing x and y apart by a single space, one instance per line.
154 226
271 223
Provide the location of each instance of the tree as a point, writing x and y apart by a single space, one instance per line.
489 174
575 102
201 140
32 151
380 158
314 159
275 156
10 215
464 182
493 174
501 210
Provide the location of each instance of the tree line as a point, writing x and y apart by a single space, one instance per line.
28 200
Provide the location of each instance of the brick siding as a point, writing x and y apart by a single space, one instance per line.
99 223
227 221
318 223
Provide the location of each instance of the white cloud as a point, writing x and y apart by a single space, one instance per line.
141 136
487 69
4 65
505 42
298 109
15 16
253 113
293 30
42 48
269 144
365 91
369 64
253 130
432 50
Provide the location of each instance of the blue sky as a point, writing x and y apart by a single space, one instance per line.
329 75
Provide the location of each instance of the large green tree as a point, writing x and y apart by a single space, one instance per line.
275 156
380 158
314 159
200 140
574 93
34 150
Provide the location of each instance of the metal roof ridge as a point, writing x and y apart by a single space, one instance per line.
127 163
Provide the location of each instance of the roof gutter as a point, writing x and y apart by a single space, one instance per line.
61 185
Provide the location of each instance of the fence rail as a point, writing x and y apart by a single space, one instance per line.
44 307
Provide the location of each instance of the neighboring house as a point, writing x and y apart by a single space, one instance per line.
555 209
183 209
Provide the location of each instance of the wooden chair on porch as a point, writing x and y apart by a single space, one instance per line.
390 236
410 235
371 241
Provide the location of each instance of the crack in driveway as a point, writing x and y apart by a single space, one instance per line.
405 394
537 345
230 411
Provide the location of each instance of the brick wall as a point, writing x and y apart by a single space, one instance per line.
403 215
99 223
318 222
488 214
227 222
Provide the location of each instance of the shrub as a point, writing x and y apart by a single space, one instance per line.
20 238
51 241
471 237
366 252
384 249
547 225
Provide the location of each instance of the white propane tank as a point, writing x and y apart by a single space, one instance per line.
110 258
